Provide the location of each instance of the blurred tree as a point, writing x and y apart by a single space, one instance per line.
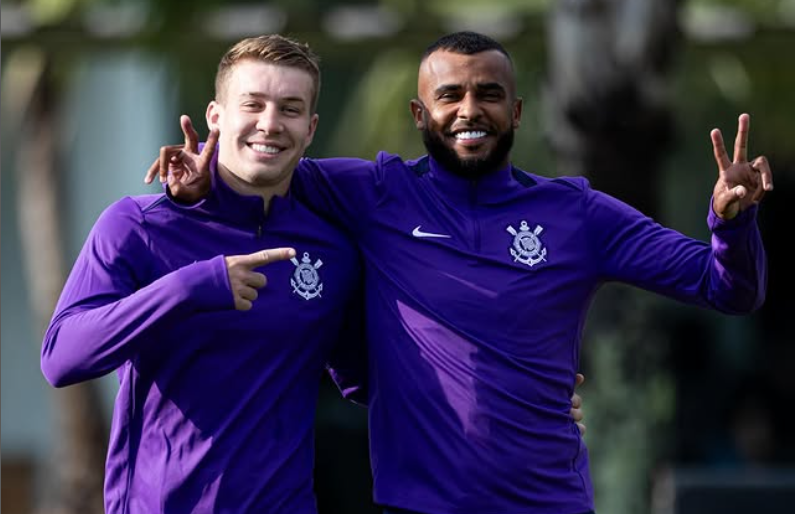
75 477
609 117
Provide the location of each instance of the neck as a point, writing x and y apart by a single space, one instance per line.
266 191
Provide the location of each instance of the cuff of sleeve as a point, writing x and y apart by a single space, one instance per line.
207 284
180 203
743 219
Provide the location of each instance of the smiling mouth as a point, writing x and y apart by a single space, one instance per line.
265 149
470 135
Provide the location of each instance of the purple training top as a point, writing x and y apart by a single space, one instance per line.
216 407
476 296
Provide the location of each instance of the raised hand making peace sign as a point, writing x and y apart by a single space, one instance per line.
740 183
186 170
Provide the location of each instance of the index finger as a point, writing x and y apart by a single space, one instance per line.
741 141
263 257
719 150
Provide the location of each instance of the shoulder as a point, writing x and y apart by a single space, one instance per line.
350 168
132 213
304 220
564 182
123 213
341 166
390 159
120 231
413 167
135 206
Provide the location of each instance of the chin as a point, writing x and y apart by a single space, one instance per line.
469 158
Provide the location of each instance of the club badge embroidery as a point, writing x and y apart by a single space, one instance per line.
305 280
527 247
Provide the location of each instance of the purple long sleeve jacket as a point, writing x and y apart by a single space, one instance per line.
215 411
476 293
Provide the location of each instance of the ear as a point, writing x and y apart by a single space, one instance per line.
517 112
213 114
313 121
417 109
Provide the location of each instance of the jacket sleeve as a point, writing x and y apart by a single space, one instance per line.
345 191
738 271
729 274
110 309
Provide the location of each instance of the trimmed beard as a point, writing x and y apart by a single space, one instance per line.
471 169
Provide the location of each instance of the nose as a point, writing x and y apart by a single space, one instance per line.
270 121
469 108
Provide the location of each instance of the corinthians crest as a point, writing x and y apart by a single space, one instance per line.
305 279
527 247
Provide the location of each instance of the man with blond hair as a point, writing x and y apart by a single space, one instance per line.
219 373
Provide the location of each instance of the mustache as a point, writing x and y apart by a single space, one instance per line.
470 169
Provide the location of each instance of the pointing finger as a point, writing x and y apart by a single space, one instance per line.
741 141
263 257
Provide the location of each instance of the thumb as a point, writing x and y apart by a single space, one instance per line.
739 191
153 171
263 257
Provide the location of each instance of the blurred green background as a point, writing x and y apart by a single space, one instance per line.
625 92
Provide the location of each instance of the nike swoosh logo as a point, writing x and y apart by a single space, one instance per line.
419 233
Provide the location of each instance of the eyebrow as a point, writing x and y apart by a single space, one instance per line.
491 85
254 94
487 86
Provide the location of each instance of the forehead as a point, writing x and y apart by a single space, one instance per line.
252 77
444 68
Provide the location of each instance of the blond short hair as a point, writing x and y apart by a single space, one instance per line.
274 49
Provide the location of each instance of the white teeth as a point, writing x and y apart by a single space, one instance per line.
473 134
265 148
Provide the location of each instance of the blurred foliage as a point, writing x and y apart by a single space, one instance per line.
760 10
364 109
381 109
170 16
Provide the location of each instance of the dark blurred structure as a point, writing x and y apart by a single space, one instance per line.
705 491
343 481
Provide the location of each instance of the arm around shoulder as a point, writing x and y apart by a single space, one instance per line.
339 189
